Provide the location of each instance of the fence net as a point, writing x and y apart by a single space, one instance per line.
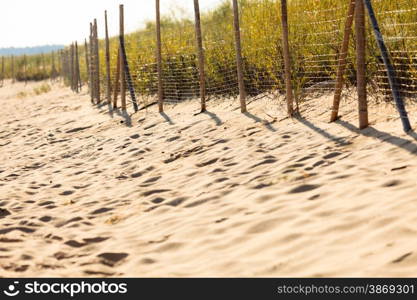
398 24
316 32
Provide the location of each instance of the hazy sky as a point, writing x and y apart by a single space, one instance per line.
40 22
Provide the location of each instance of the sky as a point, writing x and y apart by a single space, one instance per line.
43 22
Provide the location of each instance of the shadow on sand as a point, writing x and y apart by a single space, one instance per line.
338 140
384 136
259 120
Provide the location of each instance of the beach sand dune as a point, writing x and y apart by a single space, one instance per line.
86 193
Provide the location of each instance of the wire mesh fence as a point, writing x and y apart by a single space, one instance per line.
321 40
398 24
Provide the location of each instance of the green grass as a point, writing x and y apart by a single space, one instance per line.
43 89
32 68
316 32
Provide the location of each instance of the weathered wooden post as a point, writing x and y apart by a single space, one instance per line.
361 63
43 63
287 58
342 62
92 65
25 69
97 57
53 68
159 57
108 75
122 73
87 65
126 71
2 70
391 74
239 60
77 69
73 69
116 86
199 42
62 54
12 68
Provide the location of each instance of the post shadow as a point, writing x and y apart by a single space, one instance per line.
167 118
110 108
259 120
384 136
125 115
214 117
99 106
338 140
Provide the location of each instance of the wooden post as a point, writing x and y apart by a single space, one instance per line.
287 58
361 63
159 57
72 67
116 85
43 62
97 56
342 61
122 73
126 71
92 65
62 54
24 69
12 68
108 75
38 63
77 69
87 65
239 60
392 76
200 50
2 70
53 68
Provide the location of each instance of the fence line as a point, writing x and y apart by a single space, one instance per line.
182 75
296 50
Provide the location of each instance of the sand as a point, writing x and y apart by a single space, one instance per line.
217 194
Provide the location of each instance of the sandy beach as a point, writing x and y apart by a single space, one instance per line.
83 193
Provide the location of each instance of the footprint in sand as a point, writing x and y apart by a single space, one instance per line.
152 180
21 229
101 210
177 201
45 219
67 193
158 200
392 183
401 258
332 155
72 220
207 163
304 188
265 162
111 259
173 139
4 213
87 241
152 192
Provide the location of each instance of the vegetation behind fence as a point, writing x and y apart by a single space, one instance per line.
316 31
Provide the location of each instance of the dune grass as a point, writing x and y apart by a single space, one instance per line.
316 32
